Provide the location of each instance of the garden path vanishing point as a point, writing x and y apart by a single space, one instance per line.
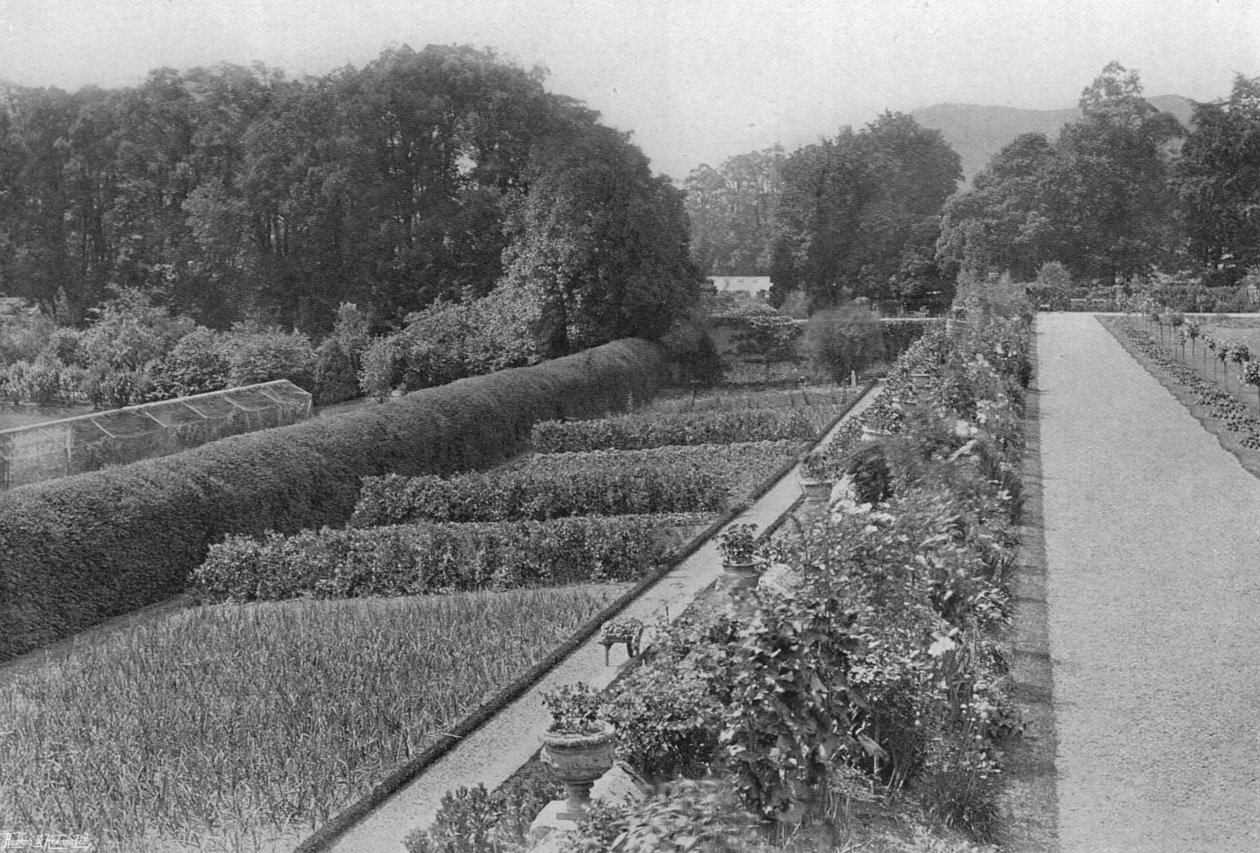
494 751
1152 547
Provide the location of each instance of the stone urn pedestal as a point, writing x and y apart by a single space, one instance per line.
578 760
817 492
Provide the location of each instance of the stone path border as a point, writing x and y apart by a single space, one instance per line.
1030 798
491 753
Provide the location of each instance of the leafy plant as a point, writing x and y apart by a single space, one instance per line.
816 466
789 719
738 543
574 709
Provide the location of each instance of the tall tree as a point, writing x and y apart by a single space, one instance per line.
732 212
1219 182
598 245
1115 164
859 214
1097 200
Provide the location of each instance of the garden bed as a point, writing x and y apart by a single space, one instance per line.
222 726
1202 396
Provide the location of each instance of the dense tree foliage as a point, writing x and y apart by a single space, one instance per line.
732 210
860 214
1220 183
1124 192
230 194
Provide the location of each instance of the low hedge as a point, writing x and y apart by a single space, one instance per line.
569 487
422 558
638 432
701 478
79 550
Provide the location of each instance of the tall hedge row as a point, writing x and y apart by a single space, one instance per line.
81 549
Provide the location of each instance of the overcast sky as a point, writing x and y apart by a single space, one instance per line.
696 80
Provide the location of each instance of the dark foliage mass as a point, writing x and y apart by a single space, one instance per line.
859 215
232 193
82 549
1123 193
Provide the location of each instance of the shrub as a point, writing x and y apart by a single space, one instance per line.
24 330
128 332
112 388
695 356
40 383
194 366
64 346
380 369
85 548
843 340
257 353
471 821
336 377
900 334
668 714
789 719
452 340
339 358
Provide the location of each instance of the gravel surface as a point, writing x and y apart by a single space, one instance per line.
1152 544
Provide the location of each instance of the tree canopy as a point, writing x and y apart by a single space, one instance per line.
233 193
860 214
1102 199
732 210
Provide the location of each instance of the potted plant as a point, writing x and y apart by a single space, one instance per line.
881 420
579 747
816 476
738 547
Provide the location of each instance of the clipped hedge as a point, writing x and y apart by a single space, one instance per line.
601 486
81 549
424 558
639 432
701 478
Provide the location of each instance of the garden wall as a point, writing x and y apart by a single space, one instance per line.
79 550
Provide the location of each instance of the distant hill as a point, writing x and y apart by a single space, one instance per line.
978 132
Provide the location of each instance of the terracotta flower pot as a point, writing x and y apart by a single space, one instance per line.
578 760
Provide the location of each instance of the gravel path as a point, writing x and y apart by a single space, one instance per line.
1152 544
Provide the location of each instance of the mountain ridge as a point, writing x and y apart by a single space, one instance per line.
978 131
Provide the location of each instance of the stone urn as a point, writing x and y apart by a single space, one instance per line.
740 574
578 760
